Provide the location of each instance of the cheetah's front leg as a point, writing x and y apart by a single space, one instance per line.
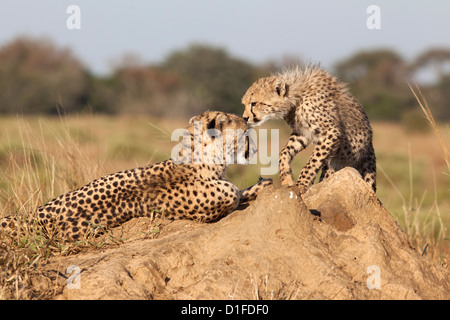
295 144
326 147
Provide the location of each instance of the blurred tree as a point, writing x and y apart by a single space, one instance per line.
437 92
434 57
443 86
378 79
149 89
36 77
382 66
214 78
102 96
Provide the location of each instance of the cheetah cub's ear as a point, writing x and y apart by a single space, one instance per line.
281 88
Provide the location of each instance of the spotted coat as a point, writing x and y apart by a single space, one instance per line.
321 111
196 191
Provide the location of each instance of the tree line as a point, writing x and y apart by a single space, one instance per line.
36 77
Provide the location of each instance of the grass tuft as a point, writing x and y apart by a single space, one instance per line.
429 116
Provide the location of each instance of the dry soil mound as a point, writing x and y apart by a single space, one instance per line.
337 243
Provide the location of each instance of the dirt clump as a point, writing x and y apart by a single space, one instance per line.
335 242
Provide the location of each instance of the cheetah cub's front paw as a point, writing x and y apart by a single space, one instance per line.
287 180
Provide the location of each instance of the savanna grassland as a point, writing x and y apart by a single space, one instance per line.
43 157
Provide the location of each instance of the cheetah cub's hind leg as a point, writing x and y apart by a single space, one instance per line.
324 151
327 171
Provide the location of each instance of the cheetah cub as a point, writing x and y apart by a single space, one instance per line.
320 110
176 189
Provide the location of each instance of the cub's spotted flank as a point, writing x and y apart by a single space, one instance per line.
320 110
196 191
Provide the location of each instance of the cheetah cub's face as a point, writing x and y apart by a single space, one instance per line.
267 98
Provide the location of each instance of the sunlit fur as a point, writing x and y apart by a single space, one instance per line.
321 111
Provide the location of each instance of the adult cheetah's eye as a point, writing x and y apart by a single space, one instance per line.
253 104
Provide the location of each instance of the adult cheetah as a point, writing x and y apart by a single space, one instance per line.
195 190
320 110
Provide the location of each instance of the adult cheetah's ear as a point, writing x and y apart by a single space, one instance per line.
281 88
211 124
191 120
216 123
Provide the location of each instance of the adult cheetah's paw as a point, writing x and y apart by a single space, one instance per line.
263 182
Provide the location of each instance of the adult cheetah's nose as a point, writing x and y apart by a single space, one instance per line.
246 119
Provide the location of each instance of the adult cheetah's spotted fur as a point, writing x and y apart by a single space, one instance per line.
177 191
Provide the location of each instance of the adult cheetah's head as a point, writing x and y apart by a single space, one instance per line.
267 98
223 138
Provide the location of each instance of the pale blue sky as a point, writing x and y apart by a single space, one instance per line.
256 30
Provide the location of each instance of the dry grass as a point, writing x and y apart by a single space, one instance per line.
41 158
442 235
429 116
414 171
